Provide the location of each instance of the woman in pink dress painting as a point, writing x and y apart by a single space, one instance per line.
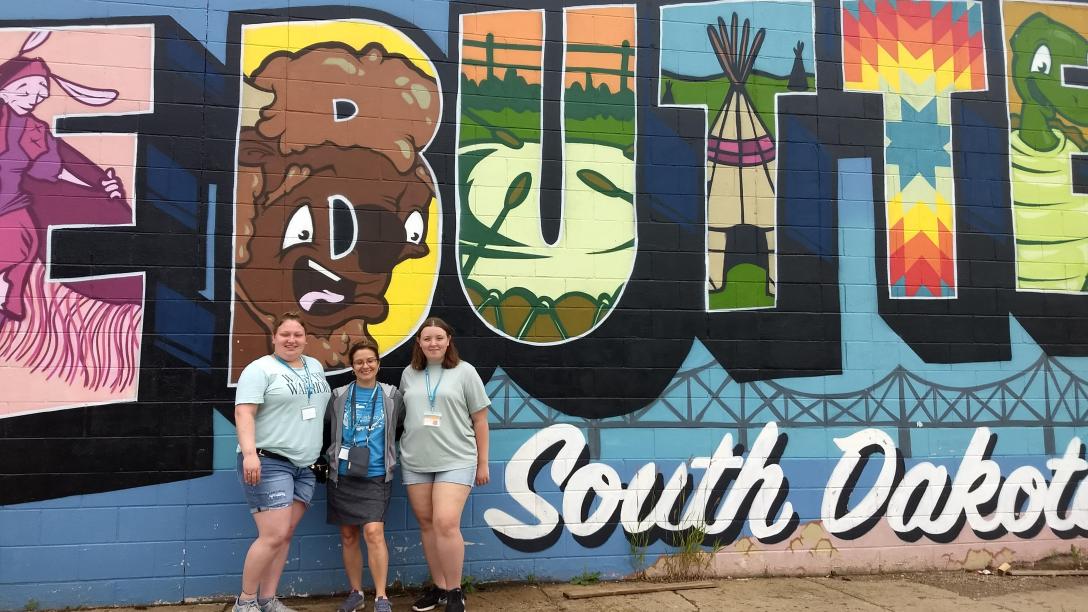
31 159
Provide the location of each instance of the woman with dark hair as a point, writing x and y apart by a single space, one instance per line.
364 418
279 412
29 150
443 453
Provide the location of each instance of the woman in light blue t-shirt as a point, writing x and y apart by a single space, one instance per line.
443 453
279 411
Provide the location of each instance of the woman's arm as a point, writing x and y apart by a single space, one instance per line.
480 427
402 408
331 423
245 421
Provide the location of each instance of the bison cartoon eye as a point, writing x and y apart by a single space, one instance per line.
344 110
300 229
413 228
1041 61
343 226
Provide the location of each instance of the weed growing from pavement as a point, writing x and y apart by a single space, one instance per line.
586 578
469 584
690 560
637 544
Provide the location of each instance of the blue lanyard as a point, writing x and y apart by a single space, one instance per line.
309 384
432 393
351 402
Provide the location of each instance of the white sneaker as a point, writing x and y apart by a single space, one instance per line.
246 606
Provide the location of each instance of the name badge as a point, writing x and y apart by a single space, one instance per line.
343 453
432 420
309 413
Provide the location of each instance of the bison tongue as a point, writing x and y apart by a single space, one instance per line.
307 301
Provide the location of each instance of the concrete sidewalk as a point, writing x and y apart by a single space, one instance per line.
929 592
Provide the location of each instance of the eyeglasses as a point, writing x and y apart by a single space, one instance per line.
368 362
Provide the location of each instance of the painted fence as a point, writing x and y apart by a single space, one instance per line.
807 277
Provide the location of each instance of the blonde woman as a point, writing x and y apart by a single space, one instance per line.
279 412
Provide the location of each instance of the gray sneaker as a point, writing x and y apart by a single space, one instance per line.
276 606
354 601
246 606
383 605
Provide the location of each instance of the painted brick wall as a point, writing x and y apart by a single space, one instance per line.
803 282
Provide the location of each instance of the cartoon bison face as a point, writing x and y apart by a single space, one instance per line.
327 227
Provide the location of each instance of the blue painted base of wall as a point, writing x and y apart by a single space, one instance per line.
187 540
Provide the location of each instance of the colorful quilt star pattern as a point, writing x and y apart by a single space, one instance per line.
917 54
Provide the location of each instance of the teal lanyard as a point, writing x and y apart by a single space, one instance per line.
309 384
351 402
432 393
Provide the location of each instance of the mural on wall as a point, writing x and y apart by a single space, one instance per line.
73 342
1049 123
888 473
336 216
660 231
736 74
523 284
916 54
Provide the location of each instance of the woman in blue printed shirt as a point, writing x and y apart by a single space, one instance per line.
364 419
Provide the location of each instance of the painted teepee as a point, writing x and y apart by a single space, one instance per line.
740 165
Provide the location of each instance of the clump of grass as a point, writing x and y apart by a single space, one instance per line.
469 584
690 560
586 578
637 544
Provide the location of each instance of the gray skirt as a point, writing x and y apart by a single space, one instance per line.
357 501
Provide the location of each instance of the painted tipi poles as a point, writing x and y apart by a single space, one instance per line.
740 165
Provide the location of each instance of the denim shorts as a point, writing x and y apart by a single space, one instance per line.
462 476
281 483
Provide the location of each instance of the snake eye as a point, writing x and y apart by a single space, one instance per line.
300 229
1041 61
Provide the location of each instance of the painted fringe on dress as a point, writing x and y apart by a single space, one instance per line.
73 337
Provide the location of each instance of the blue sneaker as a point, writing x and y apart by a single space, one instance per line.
354 601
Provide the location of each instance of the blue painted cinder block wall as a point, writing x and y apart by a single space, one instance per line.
885 367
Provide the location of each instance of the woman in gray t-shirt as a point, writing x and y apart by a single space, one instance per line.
279 411
443 453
